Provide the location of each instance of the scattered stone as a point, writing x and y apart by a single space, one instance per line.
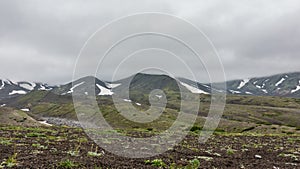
293 164
258 156
205 158
61 121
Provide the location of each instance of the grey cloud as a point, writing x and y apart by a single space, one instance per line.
40 40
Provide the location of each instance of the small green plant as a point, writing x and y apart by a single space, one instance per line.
147 161
156 163
39 146
67 164
230 151
34 134
75 152
10 162
293 156
5 142
94 153
193 164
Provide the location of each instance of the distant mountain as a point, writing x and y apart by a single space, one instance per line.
285 85
9 89
196 87
138 84
83 86
145 83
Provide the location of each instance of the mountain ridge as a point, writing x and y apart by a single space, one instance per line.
283 85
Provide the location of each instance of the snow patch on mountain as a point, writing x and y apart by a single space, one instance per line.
43 87
158 96
297 88
243 83
193 89
112 85
25 109
280 81
139 104
127 100
72 89
261 87
28 86
7 82
206 86
3 84
17 92
45 123
235 92
104 91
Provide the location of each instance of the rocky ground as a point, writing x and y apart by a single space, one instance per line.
63 147
61 121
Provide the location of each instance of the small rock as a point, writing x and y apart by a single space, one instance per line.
205 158
258 156
293 164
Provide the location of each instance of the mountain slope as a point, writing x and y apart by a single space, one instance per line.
9 89
11 116
195 87
286 85
58 102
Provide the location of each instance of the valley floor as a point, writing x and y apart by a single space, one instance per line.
62 147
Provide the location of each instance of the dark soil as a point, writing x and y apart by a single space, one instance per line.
50 147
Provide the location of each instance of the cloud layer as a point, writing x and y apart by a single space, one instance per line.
40 40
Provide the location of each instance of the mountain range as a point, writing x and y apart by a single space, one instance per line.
283 85
9 89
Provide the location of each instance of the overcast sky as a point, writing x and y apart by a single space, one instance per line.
40 40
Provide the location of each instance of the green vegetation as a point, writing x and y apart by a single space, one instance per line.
94 153
67 164
71 145
76 151
39 146
156 163
5 141
34 134
293 156
10 162
255 114
246 123
193 164
230 151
